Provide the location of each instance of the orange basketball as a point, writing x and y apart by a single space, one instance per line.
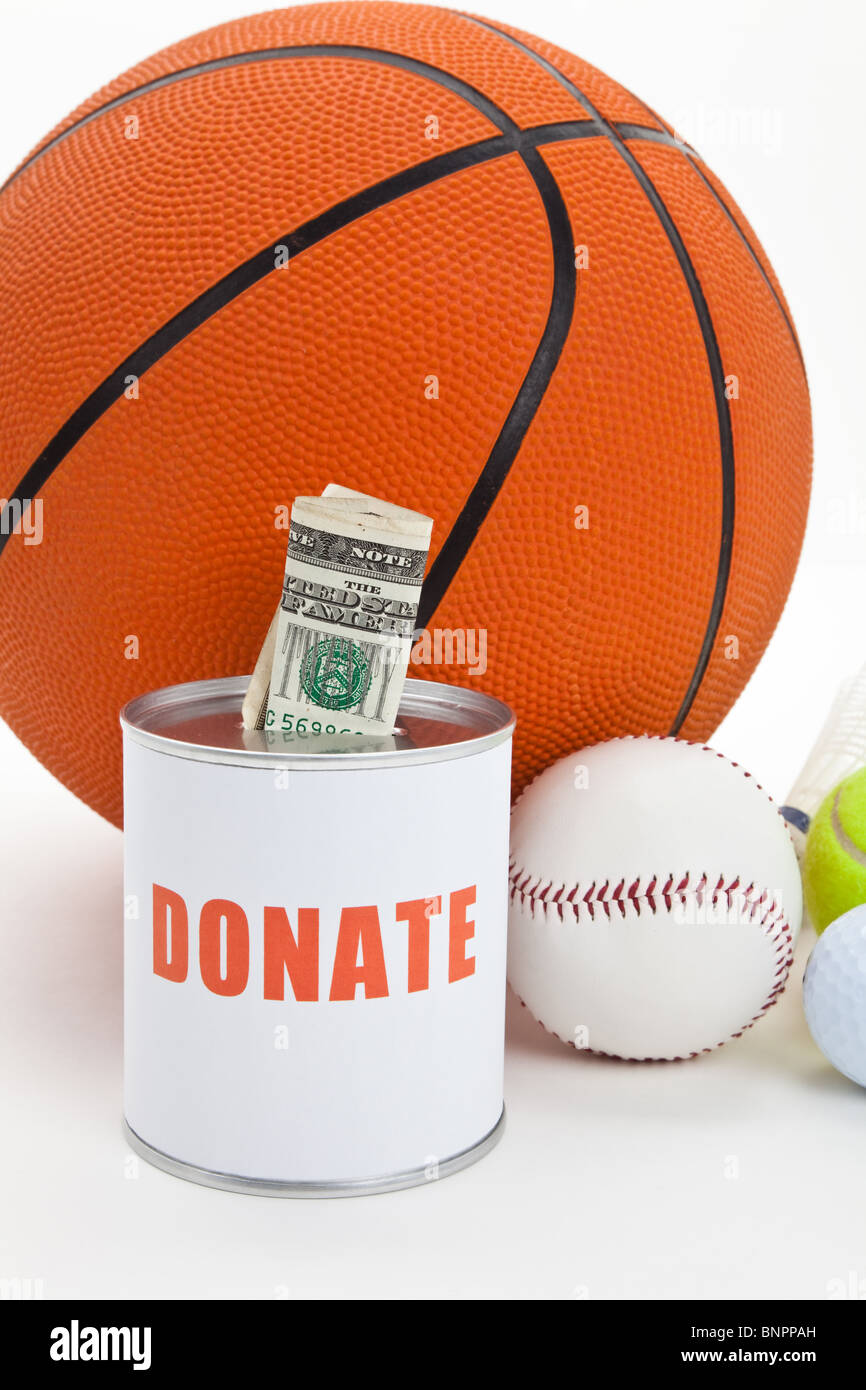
430 258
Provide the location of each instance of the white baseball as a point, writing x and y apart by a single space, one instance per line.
655 899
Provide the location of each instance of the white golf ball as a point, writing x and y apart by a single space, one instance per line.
834 994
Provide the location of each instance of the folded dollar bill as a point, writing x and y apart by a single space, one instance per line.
255 706
336 654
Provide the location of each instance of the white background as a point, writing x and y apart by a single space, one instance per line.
613 1179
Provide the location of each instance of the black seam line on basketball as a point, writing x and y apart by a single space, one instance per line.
629 131
591 128
356 52
261 55
692 158
249 273
492 476
224 291
695 161
714 359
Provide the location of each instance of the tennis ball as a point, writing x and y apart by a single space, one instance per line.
834 860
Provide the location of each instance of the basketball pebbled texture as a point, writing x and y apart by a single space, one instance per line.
165 388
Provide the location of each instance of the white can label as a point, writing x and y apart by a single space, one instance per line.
315 963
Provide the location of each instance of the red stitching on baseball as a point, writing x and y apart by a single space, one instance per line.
772 922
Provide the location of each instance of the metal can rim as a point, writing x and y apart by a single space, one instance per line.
426 697
278 1187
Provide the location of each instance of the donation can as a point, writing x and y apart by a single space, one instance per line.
314 942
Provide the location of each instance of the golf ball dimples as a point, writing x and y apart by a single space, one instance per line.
834 994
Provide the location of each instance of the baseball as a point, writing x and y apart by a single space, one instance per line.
655 899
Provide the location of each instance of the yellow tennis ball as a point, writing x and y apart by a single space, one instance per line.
834 860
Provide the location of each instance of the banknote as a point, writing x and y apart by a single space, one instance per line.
255 705
340 641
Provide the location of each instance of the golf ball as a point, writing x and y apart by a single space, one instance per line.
834 994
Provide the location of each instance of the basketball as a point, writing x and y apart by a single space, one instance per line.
432 259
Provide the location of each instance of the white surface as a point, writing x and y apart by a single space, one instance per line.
737 1175
655 900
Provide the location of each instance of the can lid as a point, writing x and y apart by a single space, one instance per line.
202 721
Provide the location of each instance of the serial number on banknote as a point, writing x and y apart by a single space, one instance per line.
291 724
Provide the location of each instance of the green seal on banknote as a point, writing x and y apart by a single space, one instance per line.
333 673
